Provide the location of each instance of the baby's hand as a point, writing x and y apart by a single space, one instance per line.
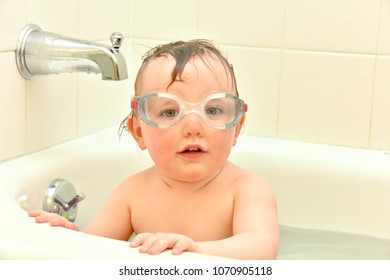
156 243
53 219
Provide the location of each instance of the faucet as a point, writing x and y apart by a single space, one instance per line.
68 205
40 53
61 198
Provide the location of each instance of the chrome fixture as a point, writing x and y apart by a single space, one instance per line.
61 198
40 53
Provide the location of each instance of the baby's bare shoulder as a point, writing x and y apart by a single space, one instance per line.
134 183
243 176
245 181
252 192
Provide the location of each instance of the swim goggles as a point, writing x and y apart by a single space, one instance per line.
219 110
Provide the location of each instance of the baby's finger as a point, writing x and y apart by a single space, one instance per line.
161 244
58 221
72 226
181 246
148 244
45 217
185 244
139 239
34 213
63 222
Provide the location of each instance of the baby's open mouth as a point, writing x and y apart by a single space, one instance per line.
191 150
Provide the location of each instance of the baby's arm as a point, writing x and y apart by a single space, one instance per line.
255 225
113 221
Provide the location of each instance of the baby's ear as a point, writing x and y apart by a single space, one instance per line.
238 129
134 127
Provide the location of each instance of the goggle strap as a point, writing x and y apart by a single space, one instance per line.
134 103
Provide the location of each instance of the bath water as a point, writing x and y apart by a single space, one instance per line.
309 244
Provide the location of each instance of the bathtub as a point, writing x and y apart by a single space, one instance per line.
333 202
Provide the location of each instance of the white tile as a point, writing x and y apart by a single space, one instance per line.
326 98
380 129
384 33
12 21
12 108
244 23
51 110
102 104
59 17
257 73
166 20
138 49
332 25
99 18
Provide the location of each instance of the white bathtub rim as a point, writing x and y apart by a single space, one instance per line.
29 240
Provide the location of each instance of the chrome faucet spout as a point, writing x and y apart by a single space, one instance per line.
40 53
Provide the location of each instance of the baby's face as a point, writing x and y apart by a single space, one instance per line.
189 150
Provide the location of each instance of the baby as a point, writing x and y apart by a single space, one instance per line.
186 112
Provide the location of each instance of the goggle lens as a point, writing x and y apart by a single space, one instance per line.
220 110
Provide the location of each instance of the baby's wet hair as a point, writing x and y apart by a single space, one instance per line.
183 52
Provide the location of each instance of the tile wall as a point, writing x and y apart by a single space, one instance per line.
315 71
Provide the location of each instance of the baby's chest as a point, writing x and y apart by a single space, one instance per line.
198 219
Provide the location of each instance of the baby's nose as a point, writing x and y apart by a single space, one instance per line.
192 124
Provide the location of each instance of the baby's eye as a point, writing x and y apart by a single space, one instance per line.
213 110
169 113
